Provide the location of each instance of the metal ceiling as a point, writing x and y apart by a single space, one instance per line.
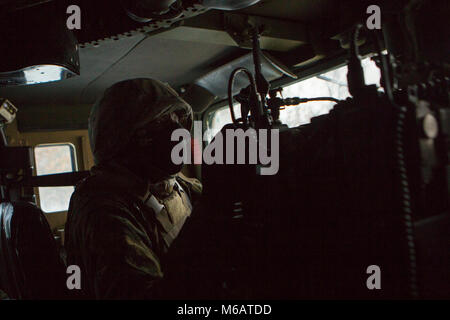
178 58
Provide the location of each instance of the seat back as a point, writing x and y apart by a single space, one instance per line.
30 265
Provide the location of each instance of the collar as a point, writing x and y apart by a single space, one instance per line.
115 176
163 188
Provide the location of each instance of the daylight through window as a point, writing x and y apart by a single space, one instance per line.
330 84
53 159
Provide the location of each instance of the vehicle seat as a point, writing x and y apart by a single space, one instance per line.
30 266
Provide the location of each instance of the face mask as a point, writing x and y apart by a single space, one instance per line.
158 152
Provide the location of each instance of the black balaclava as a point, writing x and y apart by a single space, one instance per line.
132 124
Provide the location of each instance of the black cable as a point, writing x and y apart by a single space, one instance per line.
257 55
296 101
400 146
322 99
355 75
402 170
354 50
230 88
385 74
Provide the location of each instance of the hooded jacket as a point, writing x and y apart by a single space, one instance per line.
120 225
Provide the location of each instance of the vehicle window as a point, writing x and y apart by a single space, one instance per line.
329 84
219 119
52 159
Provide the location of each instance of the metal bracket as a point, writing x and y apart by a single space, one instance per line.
275 34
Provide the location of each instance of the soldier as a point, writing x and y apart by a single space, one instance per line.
123 218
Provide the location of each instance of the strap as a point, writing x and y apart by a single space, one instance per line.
54 180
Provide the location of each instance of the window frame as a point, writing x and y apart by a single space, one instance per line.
74 164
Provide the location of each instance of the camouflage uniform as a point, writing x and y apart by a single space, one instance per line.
120 223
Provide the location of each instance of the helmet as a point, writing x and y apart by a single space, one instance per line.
133 113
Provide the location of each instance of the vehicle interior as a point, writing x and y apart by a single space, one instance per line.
361 102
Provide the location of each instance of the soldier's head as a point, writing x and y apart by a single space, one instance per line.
132 124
